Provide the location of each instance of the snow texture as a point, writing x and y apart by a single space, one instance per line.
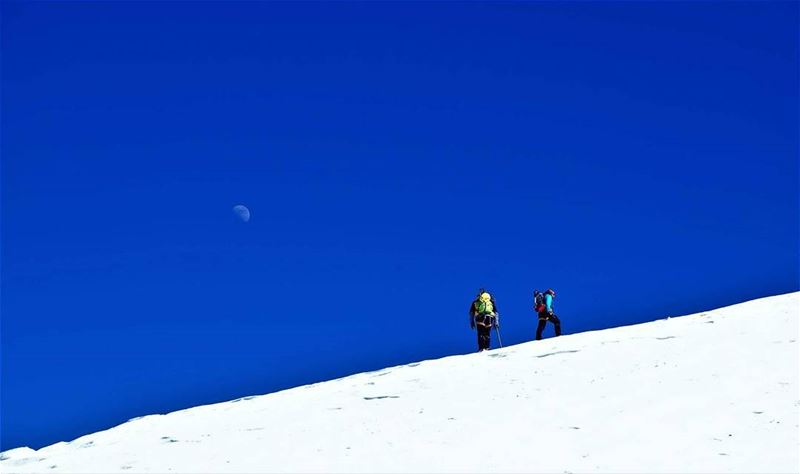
710 392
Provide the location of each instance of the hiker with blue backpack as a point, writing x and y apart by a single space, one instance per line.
484 316
543 305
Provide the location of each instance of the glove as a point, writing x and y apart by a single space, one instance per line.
550 312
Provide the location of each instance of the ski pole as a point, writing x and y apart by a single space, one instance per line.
499 339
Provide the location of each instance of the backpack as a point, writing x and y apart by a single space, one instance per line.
484 305
538 302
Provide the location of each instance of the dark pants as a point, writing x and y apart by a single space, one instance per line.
543 318
484 337
484 323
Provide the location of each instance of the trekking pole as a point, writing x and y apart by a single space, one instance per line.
499 339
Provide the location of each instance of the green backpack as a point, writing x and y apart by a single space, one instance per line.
484 306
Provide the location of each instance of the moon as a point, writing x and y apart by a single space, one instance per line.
242 212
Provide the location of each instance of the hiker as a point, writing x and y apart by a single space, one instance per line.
483 314
543 305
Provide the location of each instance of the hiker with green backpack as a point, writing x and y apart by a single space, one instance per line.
483 314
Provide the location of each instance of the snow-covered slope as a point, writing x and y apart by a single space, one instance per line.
711 392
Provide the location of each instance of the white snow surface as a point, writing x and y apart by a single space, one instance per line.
711 392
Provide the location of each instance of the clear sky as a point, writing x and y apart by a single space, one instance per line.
639 158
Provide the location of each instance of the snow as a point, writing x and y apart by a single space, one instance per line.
710 392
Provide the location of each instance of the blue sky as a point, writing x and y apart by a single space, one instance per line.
639 158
